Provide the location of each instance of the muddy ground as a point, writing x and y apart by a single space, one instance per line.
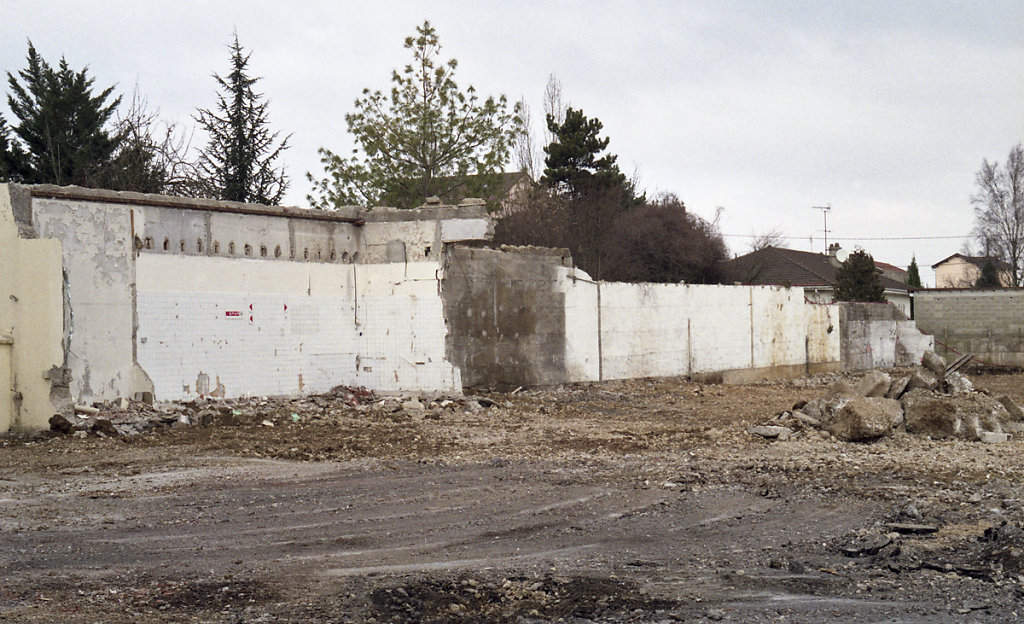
638 501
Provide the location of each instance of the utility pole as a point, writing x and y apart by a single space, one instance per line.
824 213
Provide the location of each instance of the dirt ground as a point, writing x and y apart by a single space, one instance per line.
634 501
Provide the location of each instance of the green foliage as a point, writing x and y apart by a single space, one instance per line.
12 159
426 137
573 156
239 161
59 137
660 241
913 275
857 279
989 276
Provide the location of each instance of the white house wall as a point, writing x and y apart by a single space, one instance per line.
234 327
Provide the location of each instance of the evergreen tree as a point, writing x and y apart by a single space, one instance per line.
913 275
989 277
573 163
857 279
59 137
12 160
426 137
239 161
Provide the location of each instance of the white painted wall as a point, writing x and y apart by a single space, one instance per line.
677 329
240 327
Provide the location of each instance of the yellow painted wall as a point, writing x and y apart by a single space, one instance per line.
31 323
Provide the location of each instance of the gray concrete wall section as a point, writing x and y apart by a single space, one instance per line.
506 318
986 323
194 232
878 335
99 271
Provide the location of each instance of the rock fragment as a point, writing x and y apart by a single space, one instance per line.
934 362
771 432
866 419
874 383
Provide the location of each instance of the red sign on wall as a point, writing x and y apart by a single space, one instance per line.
233 313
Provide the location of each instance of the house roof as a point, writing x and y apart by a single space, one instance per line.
892 268
789 267
977 261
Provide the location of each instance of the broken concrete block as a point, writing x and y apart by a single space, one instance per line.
413 405
972 428
771 432
925 413
875 383
60 424
807 419
105 427
955 383
991 437
841 389
866 419
934 362
898 388
1014 410
812 409
922 379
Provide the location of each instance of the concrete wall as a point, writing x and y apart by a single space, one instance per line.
879 335
986 323
33 385
525 316
72 308
506 315
231 327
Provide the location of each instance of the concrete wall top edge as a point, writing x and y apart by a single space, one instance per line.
347 214
424 213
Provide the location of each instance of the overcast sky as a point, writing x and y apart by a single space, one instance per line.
882 110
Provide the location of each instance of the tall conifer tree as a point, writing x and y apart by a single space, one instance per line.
60 135
239 163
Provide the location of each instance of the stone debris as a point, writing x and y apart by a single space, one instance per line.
124 418
933 362
772 432
878 405
875 383
866 419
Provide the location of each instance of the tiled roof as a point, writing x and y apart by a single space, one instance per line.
789 267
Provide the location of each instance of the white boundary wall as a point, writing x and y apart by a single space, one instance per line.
678 329
236 327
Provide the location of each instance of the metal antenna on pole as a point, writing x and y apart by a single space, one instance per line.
824 213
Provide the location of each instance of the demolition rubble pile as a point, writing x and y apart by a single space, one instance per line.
930 402
127 419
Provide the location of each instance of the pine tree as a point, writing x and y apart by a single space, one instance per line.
857 279
913 275
426 137
60 135
239 161
573 163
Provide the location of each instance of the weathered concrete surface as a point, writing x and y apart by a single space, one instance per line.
32 379
236 327
506 316
865 419
988 324
874 383
946 416
934 363
879 335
